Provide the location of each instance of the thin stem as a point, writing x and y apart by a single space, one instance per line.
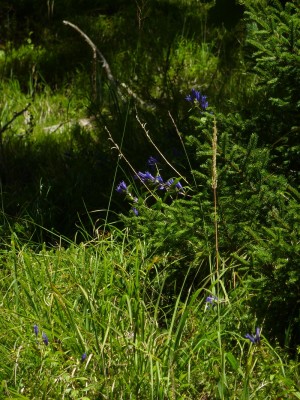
157 149
184 149
214 186
121 155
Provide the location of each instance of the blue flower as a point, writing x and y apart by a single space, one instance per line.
122 187
210 302
170 182
197 97
254 339
45 339
135 211
160 182
211 299
152 161
36 330
204 102
144 177
83 357
179 187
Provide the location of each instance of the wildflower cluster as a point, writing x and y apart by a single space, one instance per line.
44 336
147 177
46 340
196 98
123 189
154 181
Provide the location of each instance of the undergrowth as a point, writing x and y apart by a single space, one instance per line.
93 321
174 274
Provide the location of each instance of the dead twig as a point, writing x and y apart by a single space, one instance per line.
2 130
16 115
107 69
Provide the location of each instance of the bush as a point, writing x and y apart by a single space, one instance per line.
257 214
274 49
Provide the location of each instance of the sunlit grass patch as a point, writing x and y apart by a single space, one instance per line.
46 108
92 321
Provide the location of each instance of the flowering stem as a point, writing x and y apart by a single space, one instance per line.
121 155
157 149
214 187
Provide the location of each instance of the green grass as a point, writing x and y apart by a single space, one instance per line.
106 298
124 311
47 107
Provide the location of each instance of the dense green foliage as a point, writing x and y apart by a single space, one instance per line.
274 35
258 217
124 276
111 333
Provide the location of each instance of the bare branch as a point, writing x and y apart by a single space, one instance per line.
107 69
95 50
16 115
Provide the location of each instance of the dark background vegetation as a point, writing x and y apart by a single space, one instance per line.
139 41
244 57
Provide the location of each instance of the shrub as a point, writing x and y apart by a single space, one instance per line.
274 40
257 215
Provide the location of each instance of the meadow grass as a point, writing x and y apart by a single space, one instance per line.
47 107
99 319
112 332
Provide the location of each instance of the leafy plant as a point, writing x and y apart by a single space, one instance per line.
256 216
273 40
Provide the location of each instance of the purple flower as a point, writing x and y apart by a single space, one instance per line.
122 187
145 176
210 300
170 182
45 339
135 211
160 182
36 329
83 357
197 97
179 187
152 161
254 339
204 102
